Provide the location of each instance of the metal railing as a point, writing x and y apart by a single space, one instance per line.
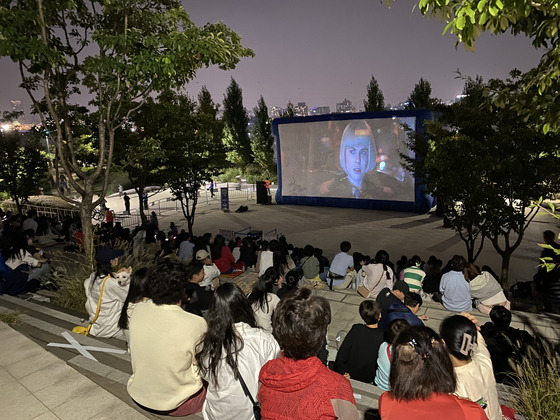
58 213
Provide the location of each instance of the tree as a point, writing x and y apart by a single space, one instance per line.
118 53
262 140
207 116
420 97
23 169
489 165
539 21
193 151
235 117
289 111
374 101
139 151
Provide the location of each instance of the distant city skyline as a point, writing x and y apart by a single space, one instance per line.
322 52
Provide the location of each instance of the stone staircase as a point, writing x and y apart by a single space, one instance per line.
45 324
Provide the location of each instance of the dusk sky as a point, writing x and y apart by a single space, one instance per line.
323 51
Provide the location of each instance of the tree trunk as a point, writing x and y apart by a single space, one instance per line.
504 275
18 204
86 208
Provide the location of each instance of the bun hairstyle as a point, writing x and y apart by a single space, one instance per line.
460 336
421 365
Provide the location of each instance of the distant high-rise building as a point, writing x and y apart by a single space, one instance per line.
320 110
345 106
275 112
301 110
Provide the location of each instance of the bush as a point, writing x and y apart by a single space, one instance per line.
537 377
252 174
72 269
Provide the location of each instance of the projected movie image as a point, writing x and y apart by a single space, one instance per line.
346 159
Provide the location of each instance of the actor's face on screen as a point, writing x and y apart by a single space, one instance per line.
356 155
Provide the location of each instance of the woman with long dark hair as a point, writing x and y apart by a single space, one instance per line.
263 300
281 261
138 291
233 347
377 274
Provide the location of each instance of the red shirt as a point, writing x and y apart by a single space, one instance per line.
225 261
109 217
437 407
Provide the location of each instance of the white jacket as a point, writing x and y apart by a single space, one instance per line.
228 401
112 302
476 382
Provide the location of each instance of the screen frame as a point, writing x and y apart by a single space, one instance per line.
422 203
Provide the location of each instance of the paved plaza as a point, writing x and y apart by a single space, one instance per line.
44 382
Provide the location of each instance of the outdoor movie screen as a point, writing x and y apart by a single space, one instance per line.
355 158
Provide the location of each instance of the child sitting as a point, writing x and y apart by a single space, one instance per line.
357 356
384 354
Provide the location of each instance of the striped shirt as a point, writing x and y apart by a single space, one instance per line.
413 276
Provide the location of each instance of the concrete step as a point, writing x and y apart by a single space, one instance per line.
45 324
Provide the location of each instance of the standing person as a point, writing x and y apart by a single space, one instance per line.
154 220
298 385
126 199
212 189
341 272
472 363
145 200
422 379
357 356
163 341
120 190
234 349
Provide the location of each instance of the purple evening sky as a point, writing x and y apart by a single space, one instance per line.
323 51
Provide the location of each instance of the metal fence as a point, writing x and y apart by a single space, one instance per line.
58 213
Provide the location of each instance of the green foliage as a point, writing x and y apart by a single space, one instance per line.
420 97
538 20
375 100
486 164
537 378
11 318
289 111
23 169
262 140
236 137
117 52
191 145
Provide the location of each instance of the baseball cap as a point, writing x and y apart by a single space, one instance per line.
201 254
402 286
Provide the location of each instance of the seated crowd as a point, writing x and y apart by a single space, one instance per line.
201 345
